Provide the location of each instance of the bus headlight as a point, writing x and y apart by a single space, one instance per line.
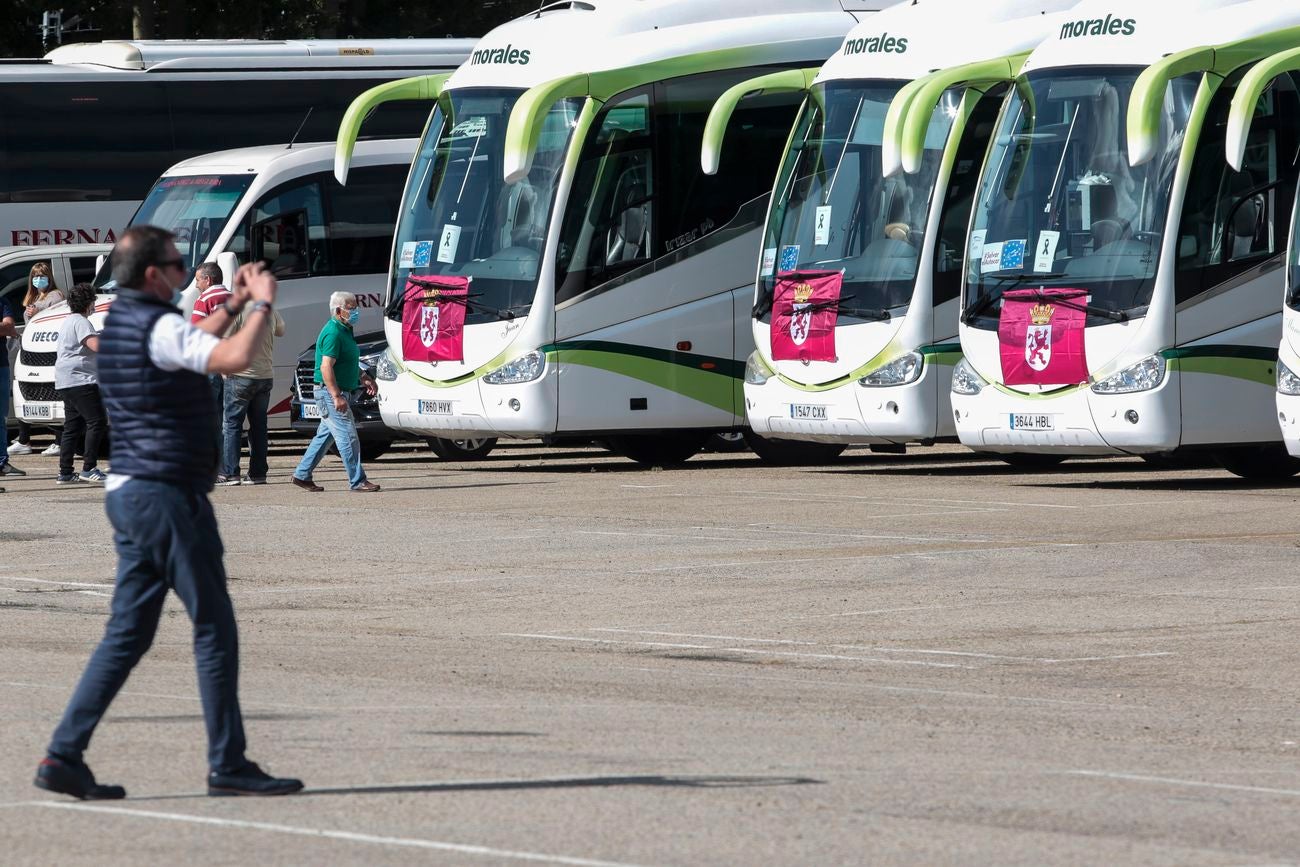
1287 381
1143 376
386 366
525 368
901 371
965 380
756 370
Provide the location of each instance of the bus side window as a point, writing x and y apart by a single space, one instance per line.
362 217
1232 221
13 286
289 230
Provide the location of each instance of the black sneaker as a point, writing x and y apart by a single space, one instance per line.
8 469
250 780
75 779
227 481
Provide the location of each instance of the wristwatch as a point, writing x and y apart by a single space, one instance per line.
254 306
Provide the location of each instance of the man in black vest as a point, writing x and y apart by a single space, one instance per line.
153 368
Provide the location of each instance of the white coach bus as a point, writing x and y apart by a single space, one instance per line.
1268 74
280 205
562 264
1121 294
878 367
85 131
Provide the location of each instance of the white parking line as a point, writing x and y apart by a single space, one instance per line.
1170 781
603 640
57 583
711 637
346 836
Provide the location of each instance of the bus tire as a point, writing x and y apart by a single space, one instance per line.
1031 462
727 443
1269 463
792 453
663 450
461 449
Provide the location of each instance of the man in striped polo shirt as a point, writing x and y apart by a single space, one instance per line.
212 294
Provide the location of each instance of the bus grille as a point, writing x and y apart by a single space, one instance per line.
37 391
36 359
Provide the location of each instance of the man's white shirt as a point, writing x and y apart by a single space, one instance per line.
174 344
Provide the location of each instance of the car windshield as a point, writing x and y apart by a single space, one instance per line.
194 207
836 211
461 218
1060 206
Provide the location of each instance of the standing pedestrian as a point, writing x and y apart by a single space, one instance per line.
337 375
212 294
152 365
42 293
8 328
248 395
76 380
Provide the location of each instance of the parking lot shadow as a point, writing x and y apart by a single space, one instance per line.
1220 481
649 780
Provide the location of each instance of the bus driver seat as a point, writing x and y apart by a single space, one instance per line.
629 236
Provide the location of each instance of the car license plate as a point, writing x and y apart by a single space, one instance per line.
310 410
40 410
807 412
435 407
1031 421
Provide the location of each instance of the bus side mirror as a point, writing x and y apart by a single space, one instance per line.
229 264
99 262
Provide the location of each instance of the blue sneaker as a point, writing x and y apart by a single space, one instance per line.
94 474
69 479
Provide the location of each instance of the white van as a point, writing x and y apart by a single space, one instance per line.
282 205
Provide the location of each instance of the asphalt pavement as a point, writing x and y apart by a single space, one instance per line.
554 656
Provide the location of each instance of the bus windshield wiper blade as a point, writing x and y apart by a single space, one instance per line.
982 303
1091 310
878 314
467 301
763 305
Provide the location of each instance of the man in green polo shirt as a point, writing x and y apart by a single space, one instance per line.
337 375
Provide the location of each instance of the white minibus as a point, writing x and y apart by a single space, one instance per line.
278 204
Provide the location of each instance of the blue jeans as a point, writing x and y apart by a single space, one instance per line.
6 381
166 538
249 398
340 427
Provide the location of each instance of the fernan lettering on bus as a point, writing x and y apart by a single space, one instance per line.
40 237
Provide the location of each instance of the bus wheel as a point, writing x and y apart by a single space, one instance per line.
1031 462
461 450
657 451
1259 463
792 453
726 443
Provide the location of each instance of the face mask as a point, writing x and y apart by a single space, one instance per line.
41 283
176 292
354 316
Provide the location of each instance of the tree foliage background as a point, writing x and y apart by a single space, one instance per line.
20 34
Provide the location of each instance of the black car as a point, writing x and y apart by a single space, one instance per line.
376 437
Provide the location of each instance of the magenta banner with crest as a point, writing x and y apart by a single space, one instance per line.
1040 333
805 305
433 319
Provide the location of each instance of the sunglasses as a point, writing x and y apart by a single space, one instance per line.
178 262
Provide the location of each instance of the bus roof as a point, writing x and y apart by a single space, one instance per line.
182 54
910 40
575 38
302 158
1141 32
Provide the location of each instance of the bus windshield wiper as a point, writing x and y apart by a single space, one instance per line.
984 302
467 301
1090 309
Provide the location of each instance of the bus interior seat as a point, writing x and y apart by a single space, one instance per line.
629 234
519 216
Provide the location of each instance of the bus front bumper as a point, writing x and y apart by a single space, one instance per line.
848 413
1080 422
471 409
